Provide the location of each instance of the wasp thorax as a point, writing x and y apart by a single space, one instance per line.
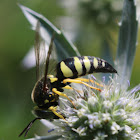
44 97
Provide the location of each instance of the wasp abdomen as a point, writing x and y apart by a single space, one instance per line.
75 67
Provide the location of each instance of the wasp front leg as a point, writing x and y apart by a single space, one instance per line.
51 113
55 111
69 87
62 94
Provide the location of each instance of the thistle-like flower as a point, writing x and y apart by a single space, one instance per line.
112 114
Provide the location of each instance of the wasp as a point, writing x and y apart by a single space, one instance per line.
47 90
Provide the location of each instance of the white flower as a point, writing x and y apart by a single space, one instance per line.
93 104
123 101
81 112
120 114
81 131
94 121
107 105
100 136
115 128
106 117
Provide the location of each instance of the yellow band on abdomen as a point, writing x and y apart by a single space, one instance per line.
78 65
95 62
87 64
67 72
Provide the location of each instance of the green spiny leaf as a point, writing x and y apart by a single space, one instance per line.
127 42
64 47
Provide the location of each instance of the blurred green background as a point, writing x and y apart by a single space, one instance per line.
93 34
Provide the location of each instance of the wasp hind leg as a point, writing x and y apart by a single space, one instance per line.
88 80
80 82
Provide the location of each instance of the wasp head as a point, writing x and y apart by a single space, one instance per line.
43 96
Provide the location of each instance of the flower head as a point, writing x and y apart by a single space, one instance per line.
111 114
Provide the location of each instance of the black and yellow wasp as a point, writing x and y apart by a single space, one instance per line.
48 89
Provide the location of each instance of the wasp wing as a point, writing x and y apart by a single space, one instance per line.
40 53
47 61
43 52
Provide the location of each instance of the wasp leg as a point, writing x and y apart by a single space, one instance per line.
54 110
26 129
68 87
80 82
62 94
88 80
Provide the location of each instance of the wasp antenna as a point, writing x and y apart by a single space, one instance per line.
27 128
47 60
